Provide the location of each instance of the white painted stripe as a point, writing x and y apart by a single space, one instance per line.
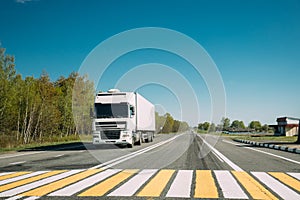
57 156
21 177
22 154
15 198
131 186
229 142
121 159
6 173
16 163
36 184
229 185
279 188
270 154
229 162
181 186
32 198
74 188
295 175
218 156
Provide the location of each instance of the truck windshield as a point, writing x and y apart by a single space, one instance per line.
118 110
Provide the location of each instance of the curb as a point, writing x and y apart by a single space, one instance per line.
270 146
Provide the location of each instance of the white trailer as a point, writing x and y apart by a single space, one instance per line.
122 118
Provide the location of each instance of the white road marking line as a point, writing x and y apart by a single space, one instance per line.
57 156
5 173
270 154
23 154
279 188
295 175
229 162
15 198
218 156
121 159
36 184
181 186
76 187
131 186
229 142
229 186
21 177
32 198
16 163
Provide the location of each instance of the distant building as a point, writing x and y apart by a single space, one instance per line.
286 126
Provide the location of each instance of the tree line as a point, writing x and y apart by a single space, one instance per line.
234 126
167 124
38 109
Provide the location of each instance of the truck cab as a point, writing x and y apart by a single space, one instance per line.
117 118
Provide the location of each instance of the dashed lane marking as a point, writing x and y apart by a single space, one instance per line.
17 163
229 186
164 183
295 175
28 180
131 186
255 189
205 185
7 176
282 190
81 185
41 191
286 179
155 187
105 186
6 181
181 186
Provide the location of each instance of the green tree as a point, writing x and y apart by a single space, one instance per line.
204 126
168 126
212 127
265 128
176 126
225 123
256 125
236 124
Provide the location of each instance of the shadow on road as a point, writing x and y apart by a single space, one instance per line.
76 146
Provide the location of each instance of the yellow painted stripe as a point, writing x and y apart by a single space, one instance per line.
255 189
155 187
13 175
205 185
46 189
29 180
286 179
103 187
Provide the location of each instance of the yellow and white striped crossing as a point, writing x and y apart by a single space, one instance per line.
206 184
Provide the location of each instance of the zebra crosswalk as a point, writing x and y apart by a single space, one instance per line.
169 183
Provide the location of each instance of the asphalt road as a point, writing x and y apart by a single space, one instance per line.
174 166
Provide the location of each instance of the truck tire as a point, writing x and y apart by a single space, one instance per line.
151 137
139 142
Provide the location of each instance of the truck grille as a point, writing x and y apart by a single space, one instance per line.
112 134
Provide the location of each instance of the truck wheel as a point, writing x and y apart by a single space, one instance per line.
139 142
151 137
129 145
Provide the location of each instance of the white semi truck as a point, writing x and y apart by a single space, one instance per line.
124 118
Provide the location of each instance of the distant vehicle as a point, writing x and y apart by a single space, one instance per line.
124 118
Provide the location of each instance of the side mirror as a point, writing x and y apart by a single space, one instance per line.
132 110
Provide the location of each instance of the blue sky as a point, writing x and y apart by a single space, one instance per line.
255 45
